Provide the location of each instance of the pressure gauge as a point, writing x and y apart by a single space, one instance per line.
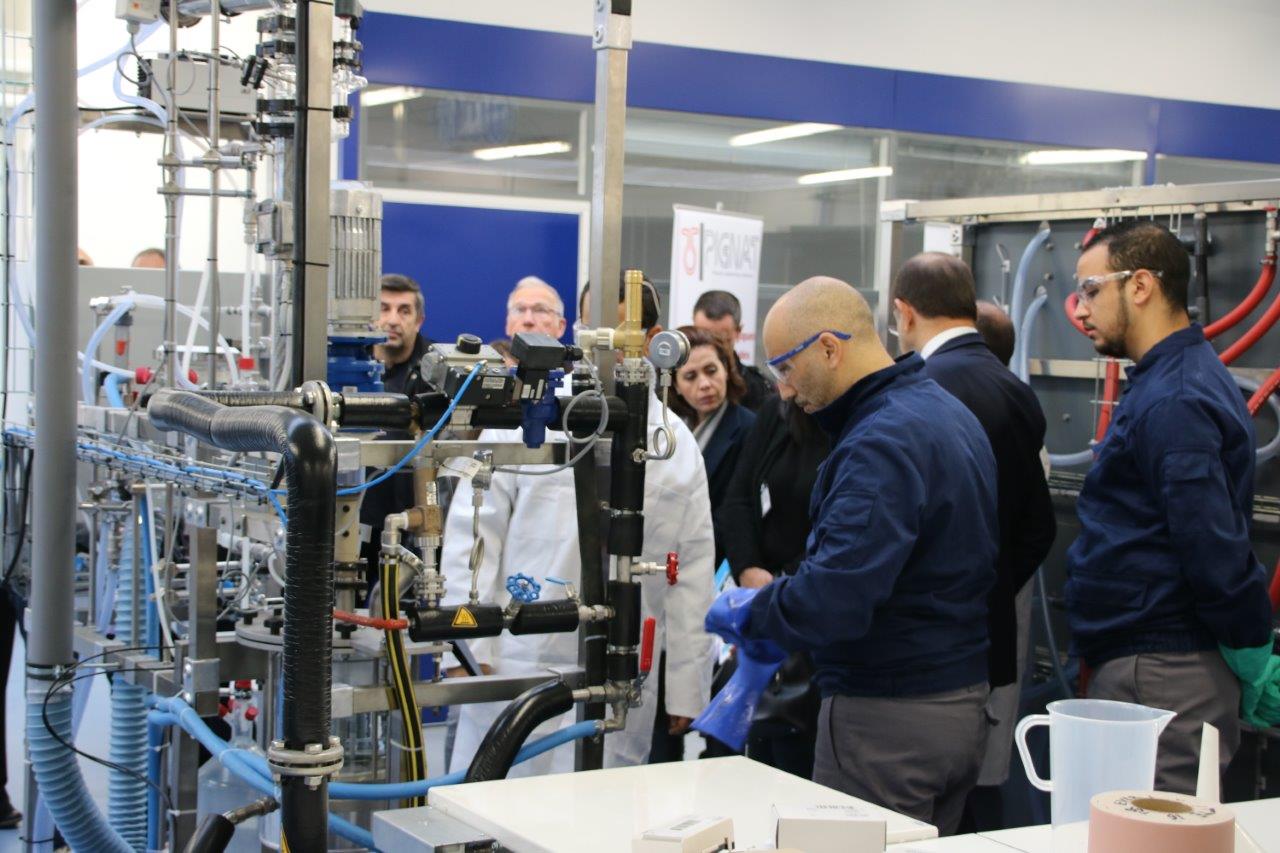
668 350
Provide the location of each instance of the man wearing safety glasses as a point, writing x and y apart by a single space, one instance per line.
1162 583
891 598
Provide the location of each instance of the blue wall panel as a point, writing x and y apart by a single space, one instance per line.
468 259
508 61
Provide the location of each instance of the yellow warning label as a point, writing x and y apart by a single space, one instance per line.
464 619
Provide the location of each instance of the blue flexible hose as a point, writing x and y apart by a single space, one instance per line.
1022 367
88 372
255 763
126 797
57 773
157 723
1018 299
115 398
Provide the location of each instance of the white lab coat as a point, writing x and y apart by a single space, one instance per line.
530 526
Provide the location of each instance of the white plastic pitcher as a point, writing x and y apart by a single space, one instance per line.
1095 746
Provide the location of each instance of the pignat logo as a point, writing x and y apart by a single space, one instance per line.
707 250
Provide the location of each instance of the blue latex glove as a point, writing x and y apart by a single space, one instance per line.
728 619
728 717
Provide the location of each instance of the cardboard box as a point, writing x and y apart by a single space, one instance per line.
829 829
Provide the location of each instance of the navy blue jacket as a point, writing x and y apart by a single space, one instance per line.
721 459
1163 561
1011 417
891 598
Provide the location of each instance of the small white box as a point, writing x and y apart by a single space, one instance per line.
690 834
829 829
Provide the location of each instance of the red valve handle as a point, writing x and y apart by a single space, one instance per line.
673 568
647 634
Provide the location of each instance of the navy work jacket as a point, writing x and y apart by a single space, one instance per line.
1163 561
891 597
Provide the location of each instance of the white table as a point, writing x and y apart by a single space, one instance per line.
602 810
1260 818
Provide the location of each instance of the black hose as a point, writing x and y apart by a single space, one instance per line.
383 410
310 469
212 836
216 830
514 725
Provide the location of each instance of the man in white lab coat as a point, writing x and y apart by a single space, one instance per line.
529 525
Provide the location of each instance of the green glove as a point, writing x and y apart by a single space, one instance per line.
1259 673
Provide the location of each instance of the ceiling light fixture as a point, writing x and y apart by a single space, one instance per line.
1076 156
786 131
389 95
846 175
532 149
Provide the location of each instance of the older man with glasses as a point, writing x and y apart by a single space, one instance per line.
535 306
890 600
1164 594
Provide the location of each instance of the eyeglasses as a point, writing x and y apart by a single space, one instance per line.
537 310
779 366
1088 288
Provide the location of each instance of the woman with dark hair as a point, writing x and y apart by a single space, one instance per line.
766 512
708 388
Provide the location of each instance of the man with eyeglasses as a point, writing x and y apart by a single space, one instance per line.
535 306
890 600
1162 581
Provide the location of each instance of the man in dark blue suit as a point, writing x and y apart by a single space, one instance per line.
935 304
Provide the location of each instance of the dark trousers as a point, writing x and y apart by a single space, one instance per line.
782 747
1199 686
916 755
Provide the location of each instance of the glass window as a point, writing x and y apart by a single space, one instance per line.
1191 170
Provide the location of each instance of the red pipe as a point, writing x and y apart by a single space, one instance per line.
1265 390
1275 588
1255 333
1070 307
1110 394
371 622
1235 315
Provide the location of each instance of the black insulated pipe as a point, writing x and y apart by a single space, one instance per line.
455 622
310 467
508 733
626 496
624 630
545 617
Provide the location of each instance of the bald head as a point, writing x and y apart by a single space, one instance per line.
809 315
817 304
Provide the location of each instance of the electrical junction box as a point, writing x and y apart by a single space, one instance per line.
692 834
191 87
138 11
829 829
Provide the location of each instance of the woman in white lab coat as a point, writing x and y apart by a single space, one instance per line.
529 524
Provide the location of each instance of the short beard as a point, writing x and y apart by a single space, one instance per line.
1114 346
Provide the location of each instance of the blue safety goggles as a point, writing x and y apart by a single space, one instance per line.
778 364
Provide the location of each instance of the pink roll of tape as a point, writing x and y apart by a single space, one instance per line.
1133 821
